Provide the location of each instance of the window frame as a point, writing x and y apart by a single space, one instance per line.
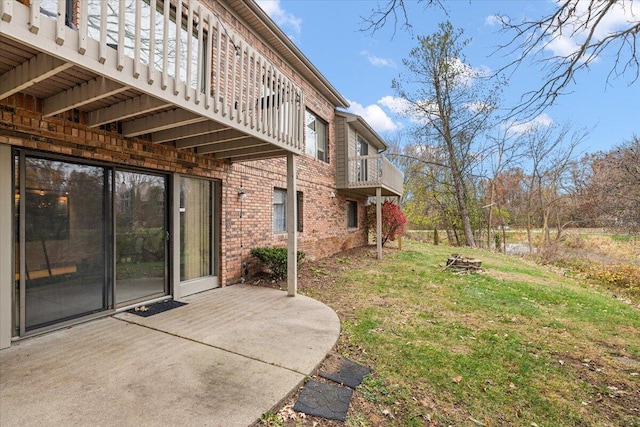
352 222
308 131
300 205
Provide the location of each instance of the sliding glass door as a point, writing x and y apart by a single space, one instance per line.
63 269
141 236
92 238
197 225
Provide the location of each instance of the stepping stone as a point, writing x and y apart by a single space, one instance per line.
348 373
324 400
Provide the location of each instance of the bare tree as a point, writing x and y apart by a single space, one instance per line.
450 100
586 25
614 186
550 151
503 153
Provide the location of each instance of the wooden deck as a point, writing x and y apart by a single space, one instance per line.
197 85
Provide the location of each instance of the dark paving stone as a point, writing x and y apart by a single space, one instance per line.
349 373
156 308
324 400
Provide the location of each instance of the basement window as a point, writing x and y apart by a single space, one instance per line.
352 214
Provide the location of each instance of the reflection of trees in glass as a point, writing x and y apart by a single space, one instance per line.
46 199
140 221
64 219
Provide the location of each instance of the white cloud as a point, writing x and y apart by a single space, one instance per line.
480 107
492 20
285 20
375 116
377 61
562 45
520 128
576 29
464 74
418 113
397 105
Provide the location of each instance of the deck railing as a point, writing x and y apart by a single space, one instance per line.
199 64
374 171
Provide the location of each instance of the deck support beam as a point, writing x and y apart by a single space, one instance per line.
189 131
35 70
292 227
211 138
379 222
86 93
262 156
161 121
126 109
261 149
228 145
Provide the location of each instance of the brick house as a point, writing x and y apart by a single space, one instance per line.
140 165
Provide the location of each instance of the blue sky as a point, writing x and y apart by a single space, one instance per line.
361 66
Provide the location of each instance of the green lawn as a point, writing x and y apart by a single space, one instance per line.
516 345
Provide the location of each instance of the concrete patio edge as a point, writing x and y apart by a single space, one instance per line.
224 359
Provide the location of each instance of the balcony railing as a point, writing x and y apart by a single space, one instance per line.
374 171
177 53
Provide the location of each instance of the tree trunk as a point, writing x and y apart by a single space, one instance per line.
529 233
460 194
544 233
490 216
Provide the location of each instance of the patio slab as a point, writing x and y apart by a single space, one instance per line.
224 359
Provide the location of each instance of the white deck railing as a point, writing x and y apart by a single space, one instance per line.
200 65
374 171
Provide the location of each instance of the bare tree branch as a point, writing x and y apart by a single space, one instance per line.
583 23
395 10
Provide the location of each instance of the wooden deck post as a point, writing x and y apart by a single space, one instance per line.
292 227
379 222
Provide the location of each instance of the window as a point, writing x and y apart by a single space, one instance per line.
316 137
352 214
280 210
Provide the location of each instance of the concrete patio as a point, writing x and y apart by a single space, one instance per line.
224 359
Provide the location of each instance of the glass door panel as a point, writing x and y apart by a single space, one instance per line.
196 228
65 257
140 221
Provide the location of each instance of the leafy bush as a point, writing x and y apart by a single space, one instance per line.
275 259
393 220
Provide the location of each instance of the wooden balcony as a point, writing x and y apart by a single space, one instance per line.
366 173
196 84
358 172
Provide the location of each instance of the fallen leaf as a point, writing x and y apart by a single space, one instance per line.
388 413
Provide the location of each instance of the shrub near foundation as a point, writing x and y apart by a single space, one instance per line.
275 259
